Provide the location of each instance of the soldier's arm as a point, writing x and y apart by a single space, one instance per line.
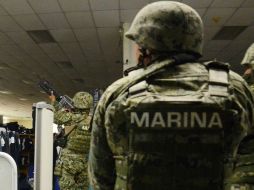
244 166
101 166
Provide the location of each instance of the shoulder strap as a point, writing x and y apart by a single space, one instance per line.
155 68
66 136
218 78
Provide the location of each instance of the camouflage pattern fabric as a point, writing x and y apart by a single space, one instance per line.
249 56
152 28
179 80
248 61
72 164
168 28
83 100
62 117
74 170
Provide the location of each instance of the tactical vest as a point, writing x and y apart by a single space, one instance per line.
174 142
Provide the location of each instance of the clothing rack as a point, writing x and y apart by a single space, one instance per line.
18 142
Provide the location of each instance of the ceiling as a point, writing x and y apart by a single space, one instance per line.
79 46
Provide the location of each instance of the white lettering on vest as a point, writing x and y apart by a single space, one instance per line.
174 118
196 119
215 121
177 119
143 121
158 120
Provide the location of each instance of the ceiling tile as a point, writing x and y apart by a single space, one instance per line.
80 19
13 49
15 7
63 35
247 34
133 4
92 51
40 56
8 24
86 35
78 59
228 53
4 39
6 58
29 22
109 37
41 36
229 32
197 3
240 45
216 45
32 49
104 5
233 50
217 16
128 15
50 48
54 52
54 21
209 32
242 17
106 18
74 5
3 12
201 11
208 55
45 6
71 48
20 37
227 3
248 3
151 1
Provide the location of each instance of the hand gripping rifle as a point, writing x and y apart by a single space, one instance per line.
63 100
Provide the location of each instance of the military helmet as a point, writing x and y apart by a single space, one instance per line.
83 100
168 26
249 56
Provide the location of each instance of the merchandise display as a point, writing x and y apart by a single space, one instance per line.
18 142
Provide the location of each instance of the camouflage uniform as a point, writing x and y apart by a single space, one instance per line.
248 61
168 29
72 166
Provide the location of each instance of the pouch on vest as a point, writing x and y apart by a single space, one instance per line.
62 141
174 143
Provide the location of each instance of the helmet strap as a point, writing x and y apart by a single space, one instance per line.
145 57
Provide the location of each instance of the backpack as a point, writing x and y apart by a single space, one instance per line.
167 142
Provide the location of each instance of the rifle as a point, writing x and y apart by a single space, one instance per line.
63 100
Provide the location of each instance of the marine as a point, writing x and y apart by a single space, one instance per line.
248 63
71 167
174 121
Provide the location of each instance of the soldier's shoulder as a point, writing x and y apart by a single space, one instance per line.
237 82
249 56
234 77
114 89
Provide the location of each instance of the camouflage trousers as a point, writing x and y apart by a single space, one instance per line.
73 175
